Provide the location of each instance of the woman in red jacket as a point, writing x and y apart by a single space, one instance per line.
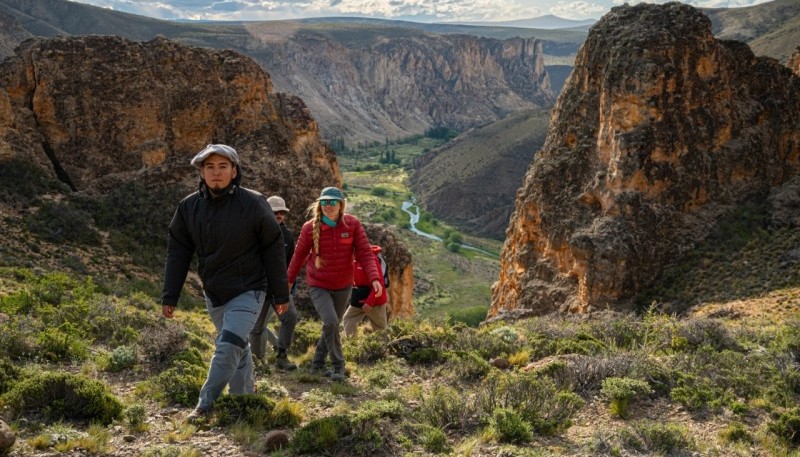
327 245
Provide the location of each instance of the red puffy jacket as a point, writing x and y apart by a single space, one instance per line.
362 284
338 247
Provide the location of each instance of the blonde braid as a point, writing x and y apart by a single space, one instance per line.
316 215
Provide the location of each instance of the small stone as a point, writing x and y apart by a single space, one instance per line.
276 439
7 438
500 363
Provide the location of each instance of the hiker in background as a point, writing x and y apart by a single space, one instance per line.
363 299
261 333
327 246
241 259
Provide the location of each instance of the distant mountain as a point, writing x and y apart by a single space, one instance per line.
548 22
770 29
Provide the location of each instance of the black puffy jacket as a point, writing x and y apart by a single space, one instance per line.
238 242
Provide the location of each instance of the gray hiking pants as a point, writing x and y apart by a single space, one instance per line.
261 333
232 363
330 305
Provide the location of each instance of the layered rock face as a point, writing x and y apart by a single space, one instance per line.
401 270
658 131
794 61
94 111
399 85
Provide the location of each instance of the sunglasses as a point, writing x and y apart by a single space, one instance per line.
329 202
280 213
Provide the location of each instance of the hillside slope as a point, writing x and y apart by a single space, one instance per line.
471 181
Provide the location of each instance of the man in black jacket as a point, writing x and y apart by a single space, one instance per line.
241 260
260 333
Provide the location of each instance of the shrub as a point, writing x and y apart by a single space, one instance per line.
135 415
424 356
787 426
9 373
445 407
62 223
365 348
537 400
179 384
620 392
320 436
306 334
736 432
64 396
248 408
286 414
22 180
657 438
507 426
122 358
434 440
471 316
468 366
162 341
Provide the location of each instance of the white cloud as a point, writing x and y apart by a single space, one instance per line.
578 10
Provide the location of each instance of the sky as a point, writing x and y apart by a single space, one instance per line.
410 10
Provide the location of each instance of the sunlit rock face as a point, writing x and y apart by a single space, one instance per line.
659 129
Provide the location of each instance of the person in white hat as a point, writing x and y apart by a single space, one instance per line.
261 333
241 259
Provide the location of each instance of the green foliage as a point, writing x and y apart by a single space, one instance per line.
306 334
135 415
424 356
507 426
657 438
434 440
65 342
163 341
364 348
179 384
374 410
9 373
620 392
61 223
286 414
248 408
471 316
60 395
379 191
122 358
537 400
468 366
22 181
445 407
736 432
321 435
132 213
787 426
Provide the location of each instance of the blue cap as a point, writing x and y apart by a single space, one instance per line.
331 193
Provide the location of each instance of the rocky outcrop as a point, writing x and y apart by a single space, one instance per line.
94 111
7 438
659 130
794 61
401 271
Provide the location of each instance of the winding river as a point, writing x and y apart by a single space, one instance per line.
410 205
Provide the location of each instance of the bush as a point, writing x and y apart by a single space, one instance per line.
306 334
65 342
736 432
64 396
179 384
445 407
9 373
122 358
472 316
286 414
364 349
135 415
320 436
162 341
787 426
434 440
535 399
251 409
620 392
507 426
468 366
62 223
657 438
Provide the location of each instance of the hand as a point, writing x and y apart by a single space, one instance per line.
377 287
168 311
281 308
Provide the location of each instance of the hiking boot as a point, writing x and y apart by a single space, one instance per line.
321 370
283 363
198 417
338 375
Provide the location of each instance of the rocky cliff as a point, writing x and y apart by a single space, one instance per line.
659 130
401 270
96 110
398 82
794 61
11 34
